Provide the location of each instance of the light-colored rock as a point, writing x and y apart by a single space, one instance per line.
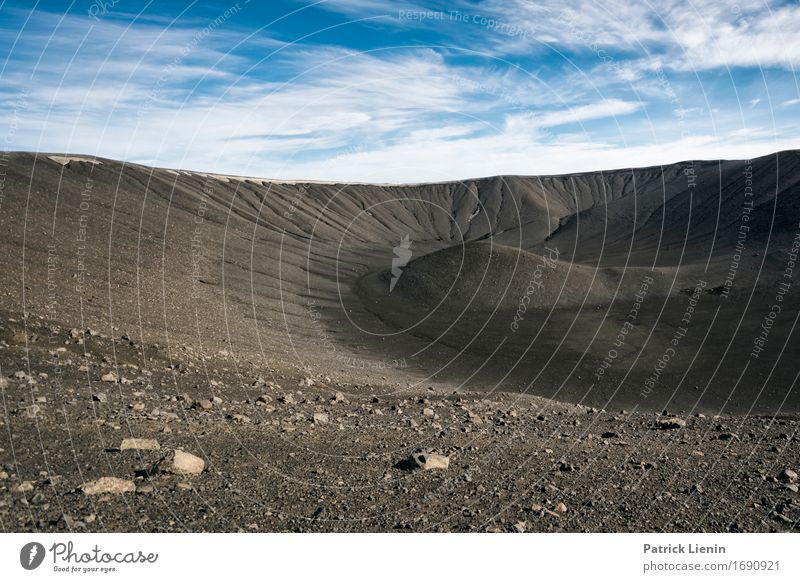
320 418
670 423
109 377
24 487
135 444
113 485
427 460
788 476
180 462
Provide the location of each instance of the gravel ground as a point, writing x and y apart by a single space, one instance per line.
286 452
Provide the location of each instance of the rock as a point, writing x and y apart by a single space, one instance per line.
787 476
520 526
428 412
320 418
240 418
474 418
112 485
263 399
138 407
670 423
561 508
100 397
307 382
286 399
20 375
203 404
134 444
609 435
426 460
179 462
3 476
109 377
338 397
182 486
24 487
144 489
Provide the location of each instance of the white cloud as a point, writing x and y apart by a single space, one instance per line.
690 36
510 153
323 112
600 110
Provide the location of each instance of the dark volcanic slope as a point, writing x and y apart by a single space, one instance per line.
647 288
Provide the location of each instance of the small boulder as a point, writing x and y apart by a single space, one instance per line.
113 485
134 444
204 404
24 487
179 462
670 423
426 460
320 418
109 377
787 476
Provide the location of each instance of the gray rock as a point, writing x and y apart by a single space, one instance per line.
787 476
670 423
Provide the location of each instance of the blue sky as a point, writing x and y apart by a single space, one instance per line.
380 91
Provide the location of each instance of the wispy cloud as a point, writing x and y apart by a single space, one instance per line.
596 88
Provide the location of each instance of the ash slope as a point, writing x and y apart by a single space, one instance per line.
296 275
